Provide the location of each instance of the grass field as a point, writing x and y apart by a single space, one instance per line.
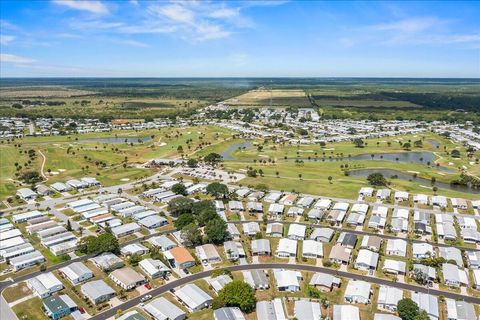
78 156
314 174
277 97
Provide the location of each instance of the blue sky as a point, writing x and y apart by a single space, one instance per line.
240 39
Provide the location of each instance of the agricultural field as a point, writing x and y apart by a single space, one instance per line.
267 97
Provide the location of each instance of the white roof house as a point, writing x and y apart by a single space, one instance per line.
361 208
276 209
366 260
345 312
381 211
394 266
154 268
396 247
193 297
217 283
272 197
440 201
427 302
388 298
134 248
77 272
162 242
307 310
296 232
358 292
420 199
366 191
287 280
322 234
22 217
251 228
26 260
454 276
451 253
422 250
44 284
323 204
312 249
125 229
270 310
460 310
341 206
401 196
26 194
287 248
162 309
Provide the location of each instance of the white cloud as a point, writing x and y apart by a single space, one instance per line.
132 43
412 25
6 39
225 13
11 58
91 6
175 12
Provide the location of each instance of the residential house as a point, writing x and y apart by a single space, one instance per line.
162 309
307 310
45 284
286 248
97 291
154 268
312 249
193 297
366 260
325 282
460 310
233 250
127 278
454 276
274 229
358 292
396 247
388 298
345 312
427 302
179 257
287 280
261 247
322 234
77 272
257 279
296 232
340 254
395 267
58 306
207 253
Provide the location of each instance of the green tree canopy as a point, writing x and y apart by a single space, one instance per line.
212 158
358 143
179 188
183 220
216 230
180 205
192 234
218 190
238 294
407 309
376 179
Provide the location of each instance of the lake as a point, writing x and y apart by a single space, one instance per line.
118 140
227 153
364 173
420 157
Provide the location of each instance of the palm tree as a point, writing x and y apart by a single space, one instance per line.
330 178
300 176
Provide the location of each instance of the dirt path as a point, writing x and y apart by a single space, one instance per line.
43 164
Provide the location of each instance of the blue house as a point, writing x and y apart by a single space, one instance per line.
59 306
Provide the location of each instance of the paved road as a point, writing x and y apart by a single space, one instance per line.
197 276
361 233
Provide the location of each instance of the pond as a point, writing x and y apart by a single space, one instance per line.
420 157
118 140
434 143
227 153
364 173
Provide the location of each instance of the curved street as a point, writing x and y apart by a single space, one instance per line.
197 276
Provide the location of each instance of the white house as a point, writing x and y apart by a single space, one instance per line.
286 248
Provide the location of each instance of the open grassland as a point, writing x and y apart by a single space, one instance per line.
312 175
83 155
42 92
277 97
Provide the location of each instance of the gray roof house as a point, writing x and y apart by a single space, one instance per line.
97 291
322 234
107 261
162 309
193 297
257 279
460 310
261 247
270 310
228 313
427 302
